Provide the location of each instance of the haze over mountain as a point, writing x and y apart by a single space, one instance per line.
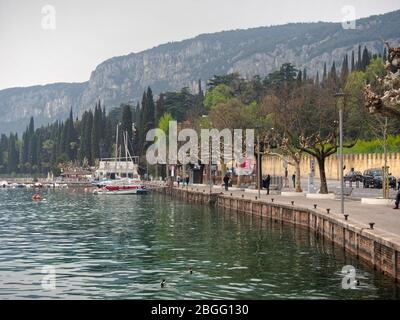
172 66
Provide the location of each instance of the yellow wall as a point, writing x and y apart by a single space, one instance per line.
274 165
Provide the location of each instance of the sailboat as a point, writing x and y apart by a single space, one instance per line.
119 175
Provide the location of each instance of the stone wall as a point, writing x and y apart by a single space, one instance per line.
274 165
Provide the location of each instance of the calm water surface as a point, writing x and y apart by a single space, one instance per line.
122 247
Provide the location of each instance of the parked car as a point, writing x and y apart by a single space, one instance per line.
353 176
373 178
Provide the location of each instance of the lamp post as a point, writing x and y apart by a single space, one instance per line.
210 176
205 116
343 95
258 165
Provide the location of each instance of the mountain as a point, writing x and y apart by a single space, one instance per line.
175 65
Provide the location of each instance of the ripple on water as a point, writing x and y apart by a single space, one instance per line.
121 248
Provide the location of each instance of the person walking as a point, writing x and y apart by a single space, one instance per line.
187 180
267 182
294 180
226 181
178 180
397 202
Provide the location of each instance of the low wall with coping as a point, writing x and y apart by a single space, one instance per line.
360 162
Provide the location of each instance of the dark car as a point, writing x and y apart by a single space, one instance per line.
373 178
353 176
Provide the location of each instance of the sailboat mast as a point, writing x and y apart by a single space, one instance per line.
116 146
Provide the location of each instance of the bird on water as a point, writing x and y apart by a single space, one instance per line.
162 284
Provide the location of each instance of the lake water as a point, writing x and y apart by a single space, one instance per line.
121 247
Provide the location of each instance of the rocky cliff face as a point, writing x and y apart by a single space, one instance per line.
175 65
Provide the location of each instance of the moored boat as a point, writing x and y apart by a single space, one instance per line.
120 190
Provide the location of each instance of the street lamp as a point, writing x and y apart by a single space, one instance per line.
210 158
343 95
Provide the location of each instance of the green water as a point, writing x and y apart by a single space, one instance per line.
121 247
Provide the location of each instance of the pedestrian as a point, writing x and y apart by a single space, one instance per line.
178 180
294 180
396 204
264 183
187 180
267 182
226 181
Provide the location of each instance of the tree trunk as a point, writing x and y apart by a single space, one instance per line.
322 175
238 181
298 180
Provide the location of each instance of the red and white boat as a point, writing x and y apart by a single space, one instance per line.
127 189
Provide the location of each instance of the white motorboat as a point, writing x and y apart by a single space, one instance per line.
119 175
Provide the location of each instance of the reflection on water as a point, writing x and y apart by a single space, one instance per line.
122 247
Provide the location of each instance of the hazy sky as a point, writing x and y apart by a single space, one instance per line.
88 32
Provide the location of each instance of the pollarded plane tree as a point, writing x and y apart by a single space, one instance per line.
309 121
282 141
385 98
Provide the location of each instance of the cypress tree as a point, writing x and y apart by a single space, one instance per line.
126 126
150 109
96 132
345 69
365 59
200 90
12 157
299 77
353 67
359 61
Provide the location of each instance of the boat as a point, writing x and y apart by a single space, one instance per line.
121 190
119 175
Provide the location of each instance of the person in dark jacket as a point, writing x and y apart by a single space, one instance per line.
294 180
226 182
187 180
396 204
267 183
